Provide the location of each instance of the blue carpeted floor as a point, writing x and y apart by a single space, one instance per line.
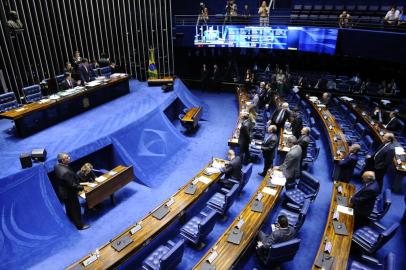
210 140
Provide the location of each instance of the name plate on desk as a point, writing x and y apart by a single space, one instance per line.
121 243
339 228
161 212
135 229
235 236
341 200
191 189
324 261
89 260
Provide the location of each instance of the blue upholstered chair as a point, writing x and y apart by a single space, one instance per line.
8 102
221 201
369 141
166 256
361 129
296 214
246 174
307 188
60 78
196 229
314 133
32 93
105 71
371 238
281 252
382 205
370 263
312 155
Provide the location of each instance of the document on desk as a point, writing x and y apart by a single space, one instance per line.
20 109
399 150
204 179
211 170
278 179
111 173
270 191
83 195
100 179
345 210
216 164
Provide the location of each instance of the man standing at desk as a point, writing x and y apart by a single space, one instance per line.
268 149
244 139
280 116
68 188
291 166
85 72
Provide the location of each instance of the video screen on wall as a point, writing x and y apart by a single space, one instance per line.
310 39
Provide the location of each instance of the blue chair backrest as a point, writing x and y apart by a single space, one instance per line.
369 141
32 93
315 133
105 71
344 108
402 126
385 202
230 196
174 256
246 174
390 261
353 117
308 184
208 222
303 104
312 122
8 101
360 128
282 252
308 112
60 78
386 235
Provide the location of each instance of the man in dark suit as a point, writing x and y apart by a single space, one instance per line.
68 188
232 170
291 165
268 149
68 82
204 77
346 166
280 116
304 141
85 71
393 123
382 158
377 115
325 99
244 139
296 124
282 233
216 78
363 201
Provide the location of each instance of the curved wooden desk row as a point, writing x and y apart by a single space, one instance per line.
134 238
376 128
243 98
338 245
338 143
224 254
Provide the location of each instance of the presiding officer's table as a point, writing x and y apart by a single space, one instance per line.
192 117
141 233
338 245
223 254
243 101
106 184
39 115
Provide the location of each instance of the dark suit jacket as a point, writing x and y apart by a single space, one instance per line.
279 236
297 125
269 146
86 178
347 166
67 182
233 169
364 200
85 75
283 120
384 158
291 165
66 85
245 133
304 142
394 125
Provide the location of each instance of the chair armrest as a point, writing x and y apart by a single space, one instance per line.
379 225
308 196
224 190
170 242
370 260
293 207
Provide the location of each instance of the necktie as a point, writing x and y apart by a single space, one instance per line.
280 116
389 122
380 150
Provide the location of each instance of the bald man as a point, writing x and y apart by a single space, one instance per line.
382 158
364 200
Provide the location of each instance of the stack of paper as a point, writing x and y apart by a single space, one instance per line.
111 173
345 210
211 170
204 179
399 150
277 178
100 179
217 165
270 191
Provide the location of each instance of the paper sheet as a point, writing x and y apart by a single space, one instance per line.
101 179
111 173
83 195
345 210
277 178
211 170
204 179
20 109
399 150
270 191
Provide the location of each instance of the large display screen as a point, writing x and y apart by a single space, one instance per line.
311 39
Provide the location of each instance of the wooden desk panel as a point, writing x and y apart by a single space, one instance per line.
229 253
192 116
333 130
161 81
376 128
283 136
243 98
151 227
103 190
341 245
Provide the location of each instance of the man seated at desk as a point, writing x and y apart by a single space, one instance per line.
232 170
69 82
364 200
68 184
85 71
86 173
281 233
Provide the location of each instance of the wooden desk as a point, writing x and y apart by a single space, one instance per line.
36 116
192 116
336 136
151 227
229 253
113 181
283 136
243 98
376 128
340 244
160 81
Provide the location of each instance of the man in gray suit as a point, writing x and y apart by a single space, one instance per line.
268 149
281 233
291 166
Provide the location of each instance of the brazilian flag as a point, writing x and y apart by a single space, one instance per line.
152 71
